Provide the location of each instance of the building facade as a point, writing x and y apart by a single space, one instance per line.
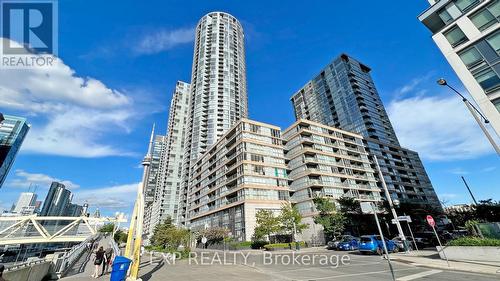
151 185
218 97
58 202
326 162
169 179
344 96
13 130
26 203
242 173
468 35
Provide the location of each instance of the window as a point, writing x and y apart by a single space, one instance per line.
445 16
455 36
465 5
471 57
488 79
487 16
496 103
494 42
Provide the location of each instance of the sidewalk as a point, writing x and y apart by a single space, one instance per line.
429 258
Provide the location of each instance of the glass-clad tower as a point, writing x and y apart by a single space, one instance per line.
13 130
343 95
218 97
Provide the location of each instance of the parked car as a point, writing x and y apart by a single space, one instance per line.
373 244
333 245
348 244
399 242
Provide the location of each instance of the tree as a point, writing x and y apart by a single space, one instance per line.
267 224
107 228
290 220
214 234
332 220
167 236
120 236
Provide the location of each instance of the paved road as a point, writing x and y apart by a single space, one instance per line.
84 267
307 265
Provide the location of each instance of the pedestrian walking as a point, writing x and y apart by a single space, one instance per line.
98 261
108 255
2 268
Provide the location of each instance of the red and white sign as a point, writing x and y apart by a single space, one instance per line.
430 221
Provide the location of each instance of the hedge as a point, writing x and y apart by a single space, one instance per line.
283 245
474 241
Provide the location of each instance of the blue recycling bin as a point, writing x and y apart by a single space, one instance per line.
119 268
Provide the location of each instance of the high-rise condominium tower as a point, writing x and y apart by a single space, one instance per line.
13 130
343 95
468 35
151 185
218 88
168 180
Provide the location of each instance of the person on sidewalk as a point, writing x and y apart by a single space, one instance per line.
98 261
2 268
108 255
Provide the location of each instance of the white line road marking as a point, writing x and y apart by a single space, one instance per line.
357 274
419 275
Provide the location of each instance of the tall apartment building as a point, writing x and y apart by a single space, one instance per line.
57 200
343 95
13 130
25 203
218 97
326 162
468 34
151 185
243 172
168 184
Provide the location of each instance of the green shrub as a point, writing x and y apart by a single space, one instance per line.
283 245
240 245
474 241
259 244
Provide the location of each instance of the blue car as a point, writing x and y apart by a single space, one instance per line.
348 243
373 244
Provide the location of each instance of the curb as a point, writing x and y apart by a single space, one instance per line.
445 267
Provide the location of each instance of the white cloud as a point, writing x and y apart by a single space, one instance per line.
25 179
458 171
70 114
163 40
112 197
488 169
438 128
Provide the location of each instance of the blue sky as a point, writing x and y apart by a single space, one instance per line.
120 61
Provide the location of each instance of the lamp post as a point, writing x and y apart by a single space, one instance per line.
475 112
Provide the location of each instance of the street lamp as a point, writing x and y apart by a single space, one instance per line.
475 112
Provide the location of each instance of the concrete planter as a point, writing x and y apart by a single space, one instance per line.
470 253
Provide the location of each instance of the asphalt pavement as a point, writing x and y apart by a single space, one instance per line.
307 264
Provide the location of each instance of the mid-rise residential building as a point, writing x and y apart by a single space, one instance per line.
343 95
243 172
468 34
25 203
169 178
13 130
218 97
326 162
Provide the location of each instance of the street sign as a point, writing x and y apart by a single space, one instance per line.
402 218
204 240
430 221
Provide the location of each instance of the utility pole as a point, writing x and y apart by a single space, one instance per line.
470 192
391 205
134 239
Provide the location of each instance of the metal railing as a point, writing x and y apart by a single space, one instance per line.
66 260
